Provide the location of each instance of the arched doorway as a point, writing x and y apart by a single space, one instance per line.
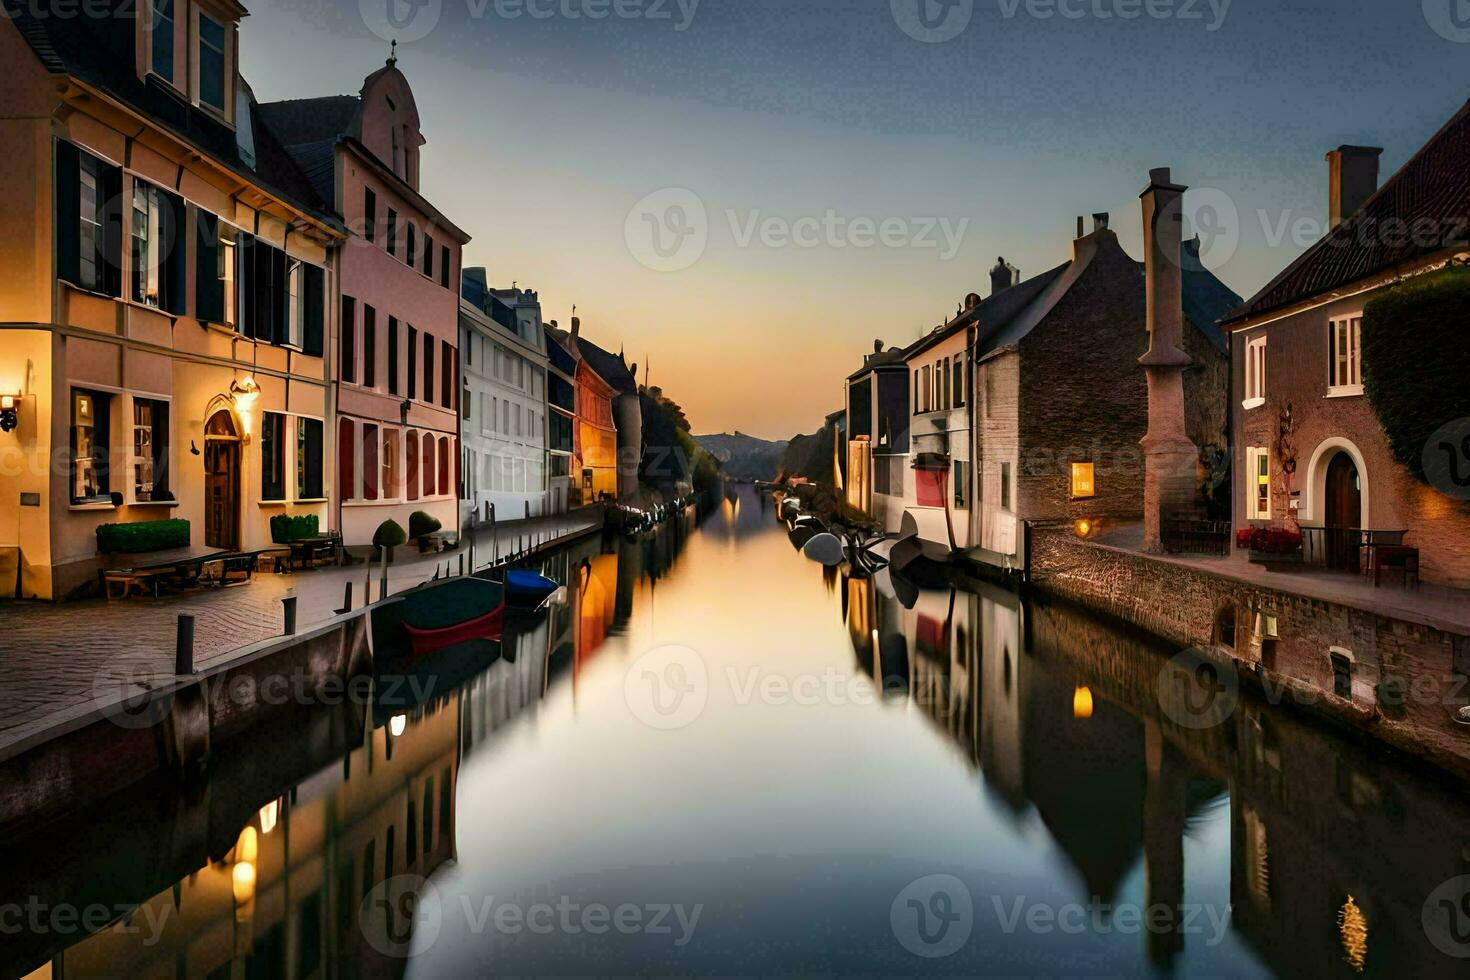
221 481
1342 511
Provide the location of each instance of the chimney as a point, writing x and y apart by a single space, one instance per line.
1352 178
1099 221
1081 226
576 326
877 347
1169 458
1003 276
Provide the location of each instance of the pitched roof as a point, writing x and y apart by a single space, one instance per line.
609 367
311 129
98 51
1431 191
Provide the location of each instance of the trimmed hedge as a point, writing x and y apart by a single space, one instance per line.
421 524
142 536
1416 359
389 535
286 528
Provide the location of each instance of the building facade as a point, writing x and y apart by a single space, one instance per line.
561 423
165 310
1311 450
877 436
397 355
502 341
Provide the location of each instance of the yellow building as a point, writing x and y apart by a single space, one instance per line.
165 303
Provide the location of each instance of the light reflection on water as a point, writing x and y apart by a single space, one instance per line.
845 749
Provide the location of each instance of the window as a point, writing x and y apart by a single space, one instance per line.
393 355
161 39
392 232
961 482
346 457
426 463
158 258
942 369
369 346
211 62
90 425
369 213
391 488
444 266
273 457
281 299
918 406
446 384
411 455
1005 486
369 462
1258 491
1255 372
443 465
348 353
150 450
959 382
214 287
428 256
413 352
412 240
1082 480
295 294
309 459
88 221
1342 673
428 368
1346 356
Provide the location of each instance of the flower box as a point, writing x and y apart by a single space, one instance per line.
1271 545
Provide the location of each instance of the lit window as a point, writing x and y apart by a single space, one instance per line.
225 269
89 431
308 459
147 243
1082 483
1346 355
294 310
273 456
1255 371
1005 486
1258 470
150 450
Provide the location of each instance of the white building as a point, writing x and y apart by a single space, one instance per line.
503 404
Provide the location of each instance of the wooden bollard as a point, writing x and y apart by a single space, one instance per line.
288 604
184 645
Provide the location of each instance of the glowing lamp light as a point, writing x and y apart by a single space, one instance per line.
397 724
1352 927
9 412
1082 703
245 393
270 814
1083 528
242 882
247 848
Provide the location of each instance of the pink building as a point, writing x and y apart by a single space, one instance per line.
397 354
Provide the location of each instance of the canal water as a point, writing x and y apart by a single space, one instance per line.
714 756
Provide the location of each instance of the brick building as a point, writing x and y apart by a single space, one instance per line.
1309 447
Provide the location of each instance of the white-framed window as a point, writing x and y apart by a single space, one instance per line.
149 459
148 244
90 225
1255 372
296 314
1258 483
225 269
212 62
1346 353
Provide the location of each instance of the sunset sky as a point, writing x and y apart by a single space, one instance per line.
545 132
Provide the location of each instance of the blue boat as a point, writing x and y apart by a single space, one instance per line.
527 588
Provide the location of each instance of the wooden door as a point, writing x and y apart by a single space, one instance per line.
1343 512
221 483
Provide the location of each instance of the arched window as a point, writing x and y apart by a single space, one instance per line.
443 465
411 454
1225 627
346 454
426 460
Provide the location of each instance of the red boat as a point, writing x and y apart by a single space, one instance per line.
485 627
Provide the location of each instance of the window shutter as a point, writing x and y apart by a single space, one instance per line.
68 212
173 272
248 314
209 292
281 293
313 281
112 228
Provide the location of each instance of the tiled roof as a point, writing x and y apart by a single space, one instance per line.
98 51
609 367
1431 191
310 129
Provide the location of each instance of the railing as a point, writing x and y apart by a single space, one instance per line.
1195 535
1348 549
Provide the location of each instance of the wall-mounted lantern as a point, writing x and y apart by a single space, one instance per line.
9 412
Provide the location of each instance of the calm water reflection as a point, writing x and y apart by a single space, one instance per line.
848 748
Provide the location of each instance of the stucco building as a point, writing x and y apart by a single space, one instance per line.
164 311
397 355
1310 448
502 342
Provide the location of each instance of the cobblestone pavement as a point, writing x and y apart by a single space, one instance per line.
56 655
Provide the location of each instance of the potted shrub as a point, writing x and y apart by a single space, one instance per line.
1271 544
388 536
422 527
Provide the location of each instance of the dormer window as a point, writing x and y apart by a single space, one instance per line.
161 40
212 60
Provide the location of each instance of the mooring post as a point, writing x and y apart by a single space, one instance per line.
288 604
494 535
383 581
461 563
346 598
184 645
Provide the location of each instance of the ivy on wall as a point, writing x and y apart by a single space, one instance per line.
1416 359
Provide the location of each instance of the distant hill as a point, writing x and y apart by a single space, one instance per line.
810 456
744 457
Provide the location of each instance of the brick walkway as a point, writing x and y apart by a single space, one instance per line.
58 655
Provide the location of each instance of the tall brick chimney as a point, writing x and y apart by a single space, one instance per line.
1003 275
1169 457
1352 178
